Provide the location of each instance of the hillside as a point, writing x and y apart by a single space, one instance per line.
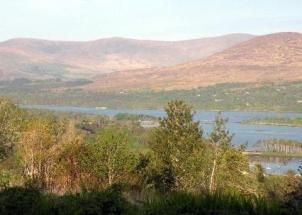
42 59
286 96
274 57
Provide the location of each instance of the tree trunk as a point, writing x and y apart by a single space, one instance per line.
212 182
110 177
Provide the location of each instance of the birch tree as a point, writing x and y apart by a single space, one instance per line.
110 159
229 165
36 151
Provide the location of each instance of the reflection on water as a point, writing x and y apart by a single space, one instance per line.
270 159
276 164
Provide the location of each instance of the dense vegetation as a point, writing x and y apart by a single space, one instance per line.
78 164
282 96
276 121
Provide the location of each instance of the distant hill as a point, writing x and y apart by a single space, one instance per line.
268 58
42 59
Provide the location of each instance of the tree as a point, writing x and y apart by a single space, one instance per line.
68 172
10 126
229 164
109 159
37 150
175 143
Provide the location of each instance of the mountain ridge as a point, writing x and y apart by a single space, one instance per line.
273 57
42 59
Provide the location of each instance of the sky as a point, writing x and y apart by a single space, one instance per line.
79 20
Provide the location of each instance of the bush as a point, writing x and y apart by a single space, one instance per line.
5 178
25 201
107 202
19 200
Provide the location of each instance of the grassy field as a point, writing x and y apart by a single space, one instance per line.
285 96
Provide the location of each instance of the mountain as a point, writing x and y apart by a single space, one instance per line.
43 59
268 58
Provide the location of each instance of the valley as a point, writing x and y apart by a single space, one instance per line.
150 107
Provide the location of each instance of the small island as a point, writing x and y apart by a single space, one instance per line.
295 122
135 117
278 148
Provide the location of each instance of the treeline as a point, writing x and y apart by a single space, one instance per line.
70 165
281 146
128 116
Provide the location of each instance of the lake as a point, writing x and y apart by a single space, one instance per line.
243 133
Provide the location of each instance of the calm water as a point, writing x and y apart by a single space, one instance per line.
244 134
277 165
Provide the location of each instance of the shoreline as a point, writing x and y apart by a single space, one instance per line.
267 123
39 106
272 154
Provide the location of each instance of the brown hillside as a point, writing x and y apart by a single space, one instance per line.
33 58
273 57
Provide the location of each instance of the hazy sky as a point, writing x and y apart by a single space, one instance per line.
149 19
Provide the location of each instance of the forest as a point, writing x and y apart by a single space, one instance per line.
56 163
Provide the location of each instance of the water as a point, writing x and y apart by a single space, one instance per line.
276 165
244 134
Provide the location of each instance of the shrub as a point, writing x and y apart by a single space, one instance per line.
19 200
25 201
5 178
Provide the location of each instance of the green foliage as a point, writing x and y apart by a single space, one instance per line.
10 126
111 201
71 164
30 201
20 200
283 96
220 136
177 139
109 159
260 173
217 203
281 187
229 164
5 178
